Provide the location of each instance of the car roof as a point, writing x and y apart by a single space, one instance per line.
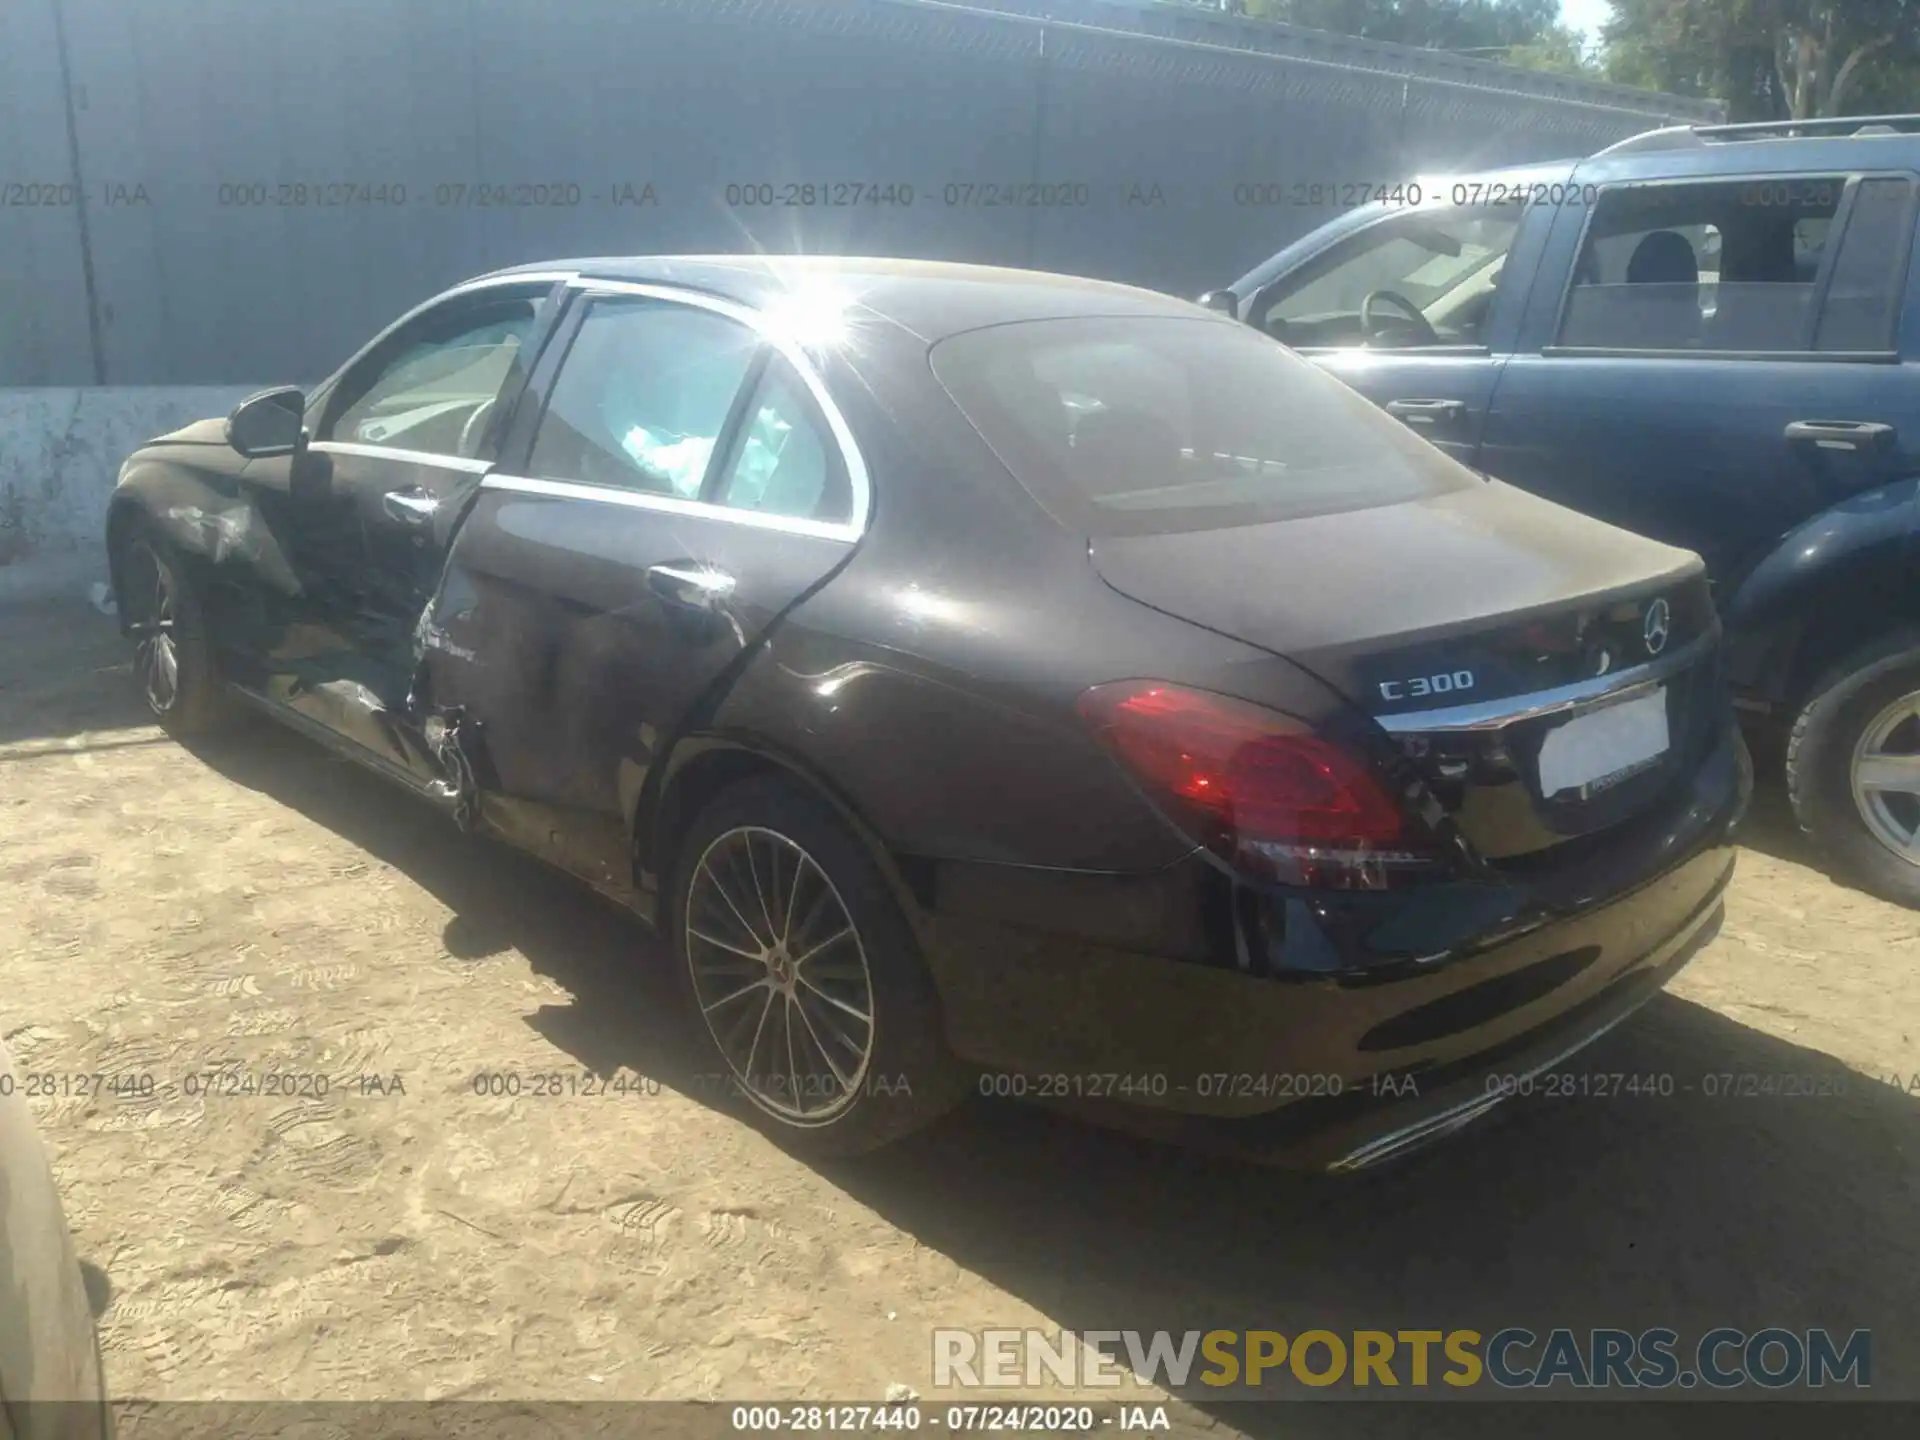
930 298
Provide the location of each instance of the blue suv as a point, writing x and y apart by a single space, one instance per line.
1706 334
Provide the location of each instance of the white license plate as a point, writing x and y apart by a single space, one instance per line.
1604 745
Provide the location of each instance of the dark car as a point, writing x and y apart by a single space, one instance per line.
50 1381
1708 335
983 678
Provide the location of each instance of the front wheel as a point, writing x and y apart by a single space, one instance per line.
173 657
1853 767
805 977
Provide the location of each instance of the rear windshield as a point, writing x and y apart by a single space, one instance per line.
1131 426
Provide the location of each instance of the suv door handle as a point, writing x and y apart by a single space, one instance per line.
411 506
691 585
1854 435
1427 412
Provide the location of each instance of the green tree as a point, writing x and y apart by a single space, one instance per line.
1516 32
1771 59
1768 59
1559 50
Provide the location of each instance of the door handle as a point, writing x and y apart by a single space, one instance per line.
1427 412
691 585
1851 435
411 506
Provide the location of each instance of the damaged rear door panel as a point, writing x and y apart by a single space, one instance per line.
315 559
671 485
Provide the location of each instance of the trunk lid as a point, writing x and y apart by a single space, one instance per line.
1548 674
1472 626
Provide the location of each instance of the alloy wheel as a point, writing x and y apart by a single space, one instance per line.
156 656
1886 777
780 975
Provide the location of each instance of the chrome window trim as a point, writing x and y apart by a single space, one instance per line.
1496 714
668 505
858 481
410 457
796 356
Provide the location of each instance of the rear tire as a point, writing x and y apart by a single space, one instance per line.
173 659
1854 743
803 978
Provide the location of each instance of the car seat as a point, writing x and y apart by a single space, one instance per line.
1658 308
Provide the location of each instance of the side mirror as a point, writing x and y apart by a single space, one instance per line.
268 424
1223 302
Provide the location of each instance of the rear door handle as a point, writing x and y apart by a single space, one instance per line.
411 506
1427 412
1852 435
691 585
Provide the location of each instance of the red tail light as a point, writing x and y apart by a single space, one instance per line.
1257 787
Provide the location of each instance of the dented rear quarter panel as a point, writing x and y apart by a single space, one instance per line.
604 720
934 676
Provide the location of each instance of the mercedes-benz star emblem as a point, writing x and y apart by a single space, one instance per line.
1659 625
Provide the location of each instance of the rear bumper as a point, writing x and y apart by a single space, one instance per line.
1326 1030
1435 1103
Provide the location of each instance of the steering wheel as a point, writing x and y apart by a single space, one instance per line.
475 427
1423 332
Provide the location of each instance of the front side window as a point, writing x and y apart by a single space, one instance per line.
643 397
1420 279
1139 426
1728 266
785 462
433 388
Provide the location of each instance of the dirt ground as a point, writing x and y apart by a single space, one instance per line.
263 905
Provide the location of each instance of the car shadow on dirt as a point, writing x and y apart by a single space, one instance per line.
65 671
1751 1183
501 900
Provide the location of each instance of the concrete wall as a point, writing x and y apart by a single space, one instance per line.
232 193
60 449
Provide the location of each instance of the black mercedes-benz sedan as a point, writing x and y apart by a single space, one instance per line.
985 680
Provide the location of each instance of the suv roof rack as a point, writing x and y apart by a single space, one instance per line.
1682 137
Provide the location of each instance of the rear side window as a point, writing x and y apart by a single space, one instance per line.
1869 283
643 397
1142 425
784 461
1727 267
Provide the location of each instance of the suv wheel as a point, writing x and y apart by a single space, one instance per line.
804 976
1853 767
